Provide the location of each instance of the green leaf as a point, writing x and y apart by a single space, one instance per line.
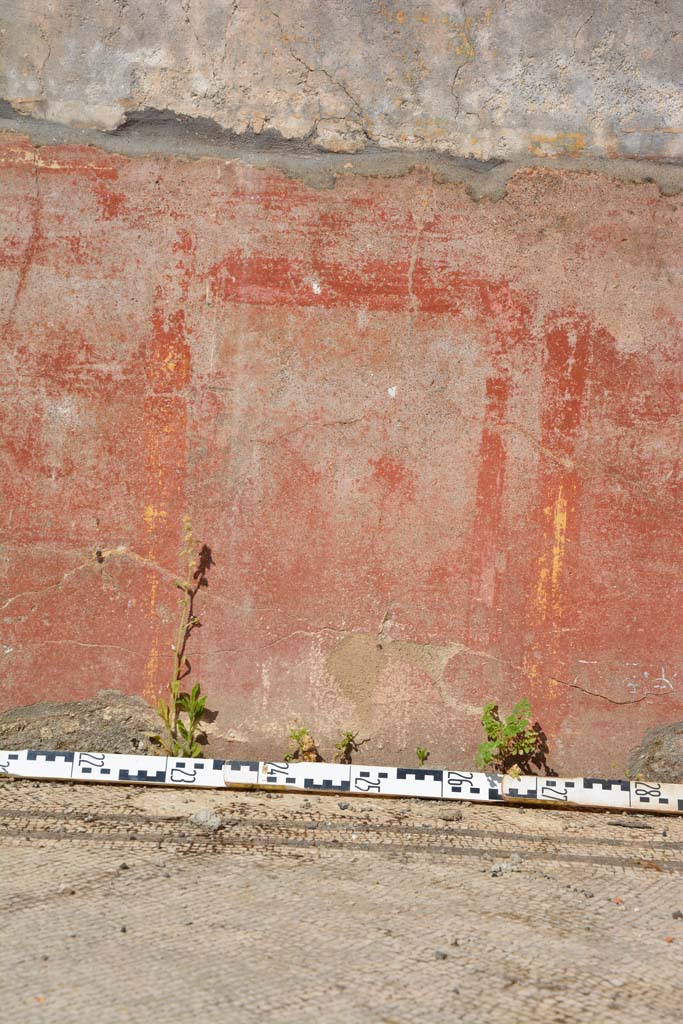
485 753
163 710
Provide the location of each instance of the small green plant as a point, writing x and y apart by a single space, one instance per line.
180 736
512 744
304 746
422 754
347 747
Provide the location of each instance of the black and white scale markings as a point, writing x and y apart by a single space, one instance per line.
353 780
95 767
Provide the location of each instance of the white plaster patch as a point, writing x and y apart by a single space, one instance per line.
392 391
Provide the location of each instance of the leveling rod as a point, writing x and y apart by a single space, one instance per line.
351 780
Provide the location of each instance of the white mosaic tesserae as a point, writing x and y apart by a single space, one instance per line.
353 780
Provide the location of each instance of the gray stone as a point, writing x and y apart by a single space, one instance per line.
487 79
659 758
206 818
505 867
111 722
455 815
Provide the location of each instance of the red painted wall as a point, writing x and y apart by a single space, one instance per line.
433 443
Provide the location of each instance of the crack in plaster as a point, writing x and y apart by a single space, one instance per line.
224 53
98 557
451 648
312 69
279 640
579 31
31 246
80 643
41 70
419 228
454 83
561 460
585 464
466 44
554 679
319 424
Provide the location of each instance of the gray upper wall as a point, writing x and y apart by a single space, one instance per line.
484 78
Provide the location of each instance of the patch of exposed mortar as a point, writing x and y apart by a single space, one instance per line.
357 661
150 133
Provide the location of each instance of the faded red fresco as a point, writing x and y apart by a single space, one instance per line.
433 443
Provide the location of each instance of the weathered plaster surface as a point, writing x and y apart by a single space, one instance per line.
489 79
433 443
